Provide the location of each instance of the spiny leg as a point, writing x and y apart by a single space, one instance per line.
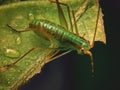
76 28
98 13
62 19
73 14
92 44
17 30
5 67
53 57
77 15
89 53
61 15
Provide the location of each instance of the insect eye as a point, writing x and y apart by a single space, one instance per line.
82 49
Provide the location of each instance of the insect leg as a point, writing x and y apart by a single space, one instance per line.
17 30
53 43
76 28
5 67
61 15
60 55
98 13
53 54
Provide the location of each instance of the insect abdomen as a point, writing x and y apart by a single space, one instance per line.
50 28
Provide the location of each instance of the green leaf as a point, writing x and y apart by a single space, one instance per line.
2 2
13 45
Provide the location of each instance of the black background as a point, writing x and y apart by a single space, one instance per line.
73 71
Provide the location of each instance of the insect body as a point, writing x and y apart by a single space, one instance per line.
51 31
59 32
74 41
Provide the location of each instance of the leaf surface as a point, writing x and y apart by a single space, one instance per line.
14 45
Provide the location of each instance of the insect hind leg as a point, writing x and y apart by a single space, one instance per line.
61 14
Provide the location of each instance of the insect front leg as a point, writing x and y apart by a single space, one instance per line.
96 26
53 42
54 56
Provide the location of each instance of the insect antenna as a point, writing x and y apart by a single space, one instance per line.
13 29
92 44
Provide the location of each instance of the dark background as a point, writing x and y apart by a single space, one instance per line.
73 71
